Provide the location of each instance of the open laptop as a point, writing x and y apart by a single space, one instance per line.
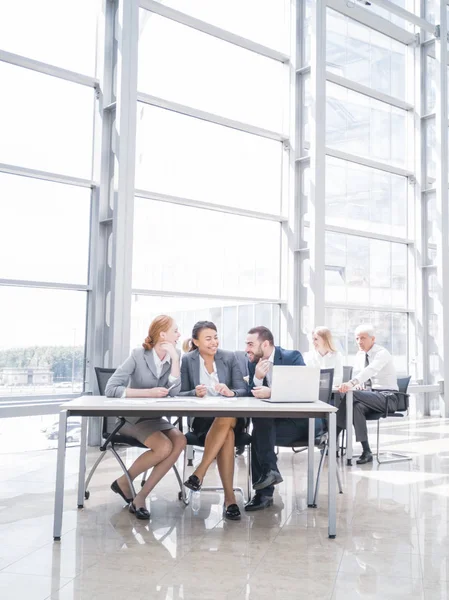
294 384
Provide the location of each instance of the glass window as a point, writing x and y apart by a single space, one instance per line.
433 220
42 341
187 157
264 21
430 87
183 248
389 16
51 31
232 320
391 332
364 126
362 198
365 271
37 244
46 123
187 66
364 55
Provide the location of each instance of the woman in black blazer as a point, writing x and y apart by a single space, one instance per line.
208 371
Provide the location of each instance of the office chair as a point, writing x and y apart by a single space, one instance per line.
347 376
241 439
112 437
322 440
403 406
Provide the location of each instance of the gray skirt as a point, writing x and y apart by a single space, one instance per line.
142 430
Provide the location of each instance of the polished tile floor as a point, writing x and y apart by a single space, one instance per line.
392 537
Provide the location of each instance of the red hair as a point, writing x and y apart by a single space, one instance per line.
160 324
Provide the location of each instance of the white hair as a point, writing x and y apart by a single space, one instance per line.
365 328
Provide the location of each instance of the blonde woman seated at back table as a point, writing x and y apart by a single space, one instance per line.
152 371
324 355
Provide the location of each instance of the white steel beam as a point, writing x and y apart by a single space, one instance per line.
218 32
52 285
211 117
368 162
41 67
354 10
209 206
368 307
317 162
441 303
46 176
397 10
175 294
374 235
367 91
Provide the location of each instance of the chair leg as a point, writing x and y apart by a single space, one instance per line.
249 475
92 471
320 468
299 450
125 471
190 455
397 456
185 497
340 488
144 478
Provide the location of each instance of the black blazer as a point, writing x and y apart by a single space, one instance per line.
228 372
281 357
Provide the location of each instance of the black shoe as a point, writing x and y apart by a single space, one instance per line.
232 512
116 488
266 479
141 513
259 502
193 483
366 457
239 450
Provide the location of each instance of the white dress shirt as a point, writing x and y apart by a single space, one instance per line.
330 360
210 380
381 370
159 364
269 375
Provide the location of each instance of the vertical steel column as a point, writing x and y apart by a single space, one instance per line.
442 224
317 162
290 197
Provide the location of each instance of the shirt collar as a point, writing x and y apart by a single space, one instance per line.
271 359
204 366
158 361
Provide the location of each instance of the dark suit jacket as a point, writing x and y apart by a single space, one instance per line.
228 372
281 357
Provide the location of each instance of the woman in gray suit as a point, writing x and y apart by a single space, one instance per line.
208 371
152 371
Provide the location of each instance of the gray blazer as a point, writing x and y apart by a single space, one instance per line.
228 372
139 372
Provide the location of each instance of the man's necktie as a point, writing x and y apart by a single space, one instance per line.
368 384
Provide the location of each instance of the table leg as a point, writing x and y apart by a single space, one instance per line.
332 492
82 463
310 464
349 418
60 471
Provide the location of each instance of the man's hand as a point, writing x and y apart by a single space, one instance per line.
263 366
158 392
262 392
201 390
346 387
223 389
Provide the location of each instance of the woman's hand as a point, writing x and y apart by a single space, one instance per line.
170 349
201 391
223 389
158 392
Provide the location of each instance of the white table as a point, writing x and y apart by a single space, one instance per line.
99 406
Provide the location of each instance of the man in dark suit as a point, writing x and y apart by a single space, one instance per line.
267 432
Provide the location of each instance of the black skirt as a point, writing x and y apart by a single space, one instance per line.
201 426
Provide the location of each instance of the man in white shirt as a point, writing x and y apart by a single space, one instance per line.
374 384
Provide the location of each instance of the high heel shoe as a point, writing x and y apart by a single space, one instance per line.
193 483
141 513
117 489
232 512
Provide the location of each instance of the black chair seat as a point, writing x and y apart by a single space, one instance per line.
375 416
241 439
126 440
